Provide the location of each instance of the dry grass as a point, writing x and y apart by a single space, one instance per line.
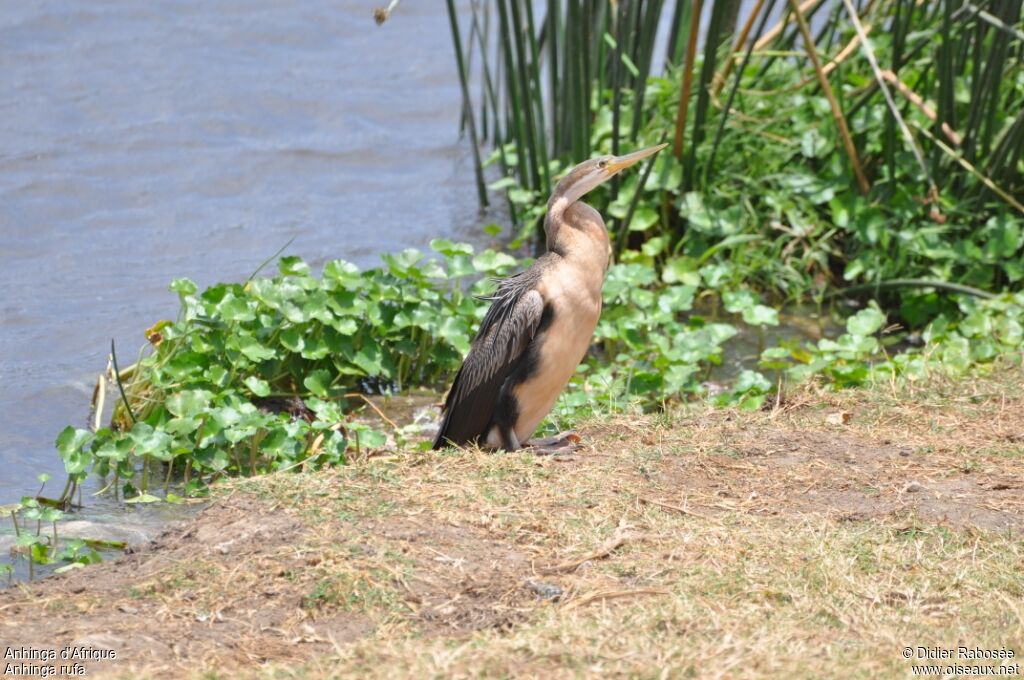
816 540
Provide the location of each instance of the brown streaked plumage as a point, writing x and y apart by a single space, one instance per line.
540 322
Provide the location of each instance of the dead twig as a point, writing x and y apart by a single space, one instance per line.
614 594
613 544
375 408
670 506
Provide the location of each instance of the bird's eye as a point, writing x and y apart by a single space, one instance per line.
602 163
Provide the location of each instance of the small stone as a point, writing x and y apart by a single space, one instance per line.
714 388
838 418
100 641
913 487
545 591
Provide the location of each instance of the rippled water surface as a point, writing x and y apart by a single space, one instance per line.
143 141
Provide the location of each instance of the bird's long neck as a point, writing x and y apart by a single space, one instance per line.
577 233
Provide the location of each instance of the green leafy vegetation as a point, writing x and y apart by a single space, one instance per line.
801 173
267 375
272 374
774 183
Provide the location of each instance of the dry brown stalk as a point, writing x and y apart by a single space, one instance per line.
374 407
684 95
921 105
720 78
670 506
832 65
869 53
969 167
614 594
837 112
99 398
613 544
775 30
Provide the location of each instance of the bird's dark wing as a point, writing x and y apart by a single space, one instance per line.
500 344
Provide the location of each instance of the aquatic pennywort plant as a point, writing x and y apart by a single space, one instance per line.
271 374
265 375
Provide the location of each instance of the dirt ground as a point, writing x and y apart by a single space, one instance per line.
817 538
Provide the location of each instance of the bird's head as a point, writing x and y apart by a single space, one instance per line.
589 174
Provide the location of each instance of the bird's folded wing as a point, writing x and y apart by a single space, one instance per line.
499 346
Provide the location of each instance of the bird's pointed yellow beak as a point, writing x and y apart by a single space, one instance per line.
620 163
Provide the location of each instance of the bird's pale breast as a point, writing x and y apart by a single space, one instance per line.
562 345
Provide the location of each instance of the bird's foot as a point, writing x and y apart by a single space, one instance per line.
563 442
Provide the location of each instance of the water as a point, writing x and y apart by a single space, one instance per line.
140 142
